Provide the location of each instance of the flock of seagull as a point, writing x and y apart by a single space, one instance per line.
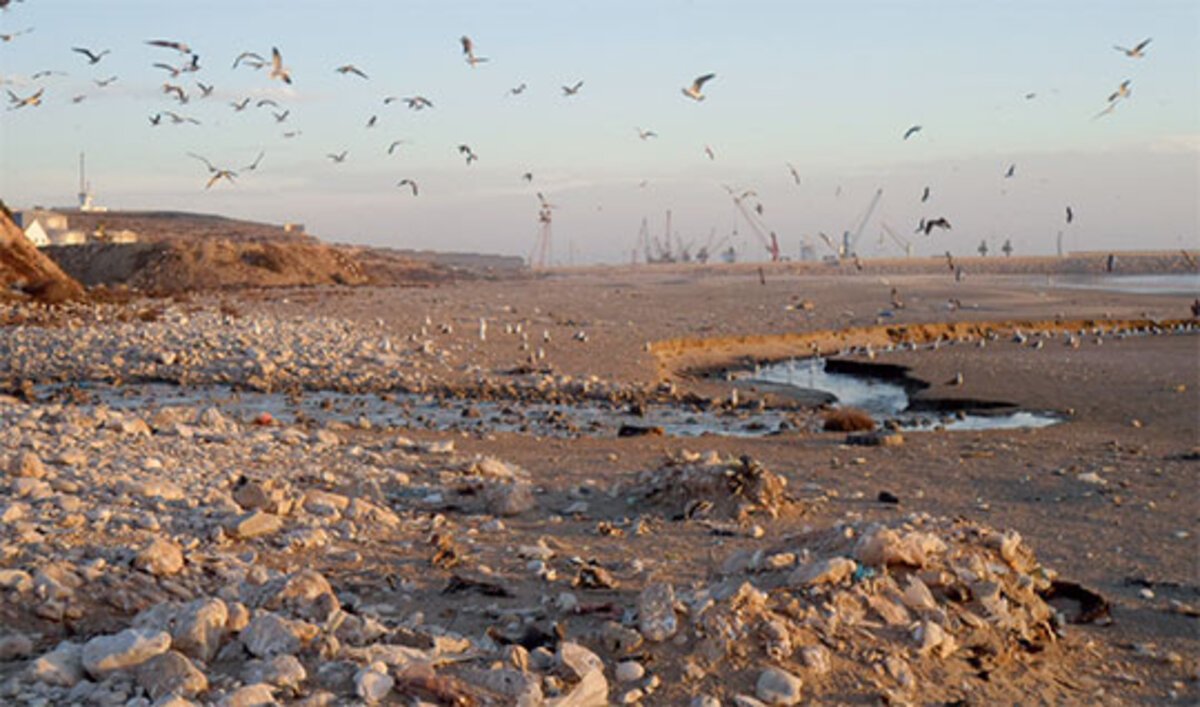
276 70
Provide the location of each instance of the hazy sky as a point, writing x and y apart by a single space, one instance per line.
829 87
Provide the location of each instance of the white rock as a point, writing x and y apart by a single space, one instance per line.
656 612
373 685
62 666
130 648
269 635
629 671
778 687
259 695
161 557
199 628
171 674
833 570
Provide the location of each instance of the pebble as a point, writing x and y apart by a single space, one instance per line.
778 687
130 648
656 612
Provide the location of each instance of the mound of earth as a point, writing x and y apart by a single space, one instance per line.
154 226
23 265
180 266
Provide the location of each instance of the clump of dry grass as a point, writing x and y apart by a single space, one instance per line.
848 420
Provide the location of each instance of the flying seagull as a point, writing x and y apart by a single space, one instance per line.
168 44
203 159
795 174
372 120
1070 215
395 143
205 90
466 150
31 100
1136 52
350 69
156 119
912 131
339 157
240 106
102 83
10 36
1111 107
167 67
936 223
1012 169
518 90
278 70
572 90
409 183
1121 92
709 151
92 57
468 48
418 102
47 72
925 195
220 174
180 95
251 59
266 102
645 134
280 117
528 176
177 118
693 91
254 165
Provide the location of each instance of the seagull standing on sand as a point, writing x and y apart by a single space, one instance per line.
694 91
409 183
278 70
92 57
1136 52
468 48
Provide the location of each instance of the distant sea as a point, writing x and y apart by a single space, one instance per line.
1169 284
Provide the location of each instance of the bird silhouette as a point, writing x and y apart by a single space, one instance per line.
278 70
1012 170
251 59
1070 215
1136 52
466 150
925 195
936 223
205 90
795 174
694 91
912 131
409 183
350 69
468 48
339 157
395 143
572 90
254 165
169 44
646 134
92 57
16 101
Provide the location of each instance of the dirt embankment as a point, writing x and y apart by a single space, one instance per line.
206 265
24 266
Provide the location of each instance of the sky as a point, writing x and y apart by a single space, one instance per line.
827 87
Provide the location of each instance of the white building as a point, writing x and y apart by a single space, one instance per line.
37 235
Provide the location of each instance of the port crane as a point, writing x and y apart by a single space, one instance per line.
765 235
904 243
850 240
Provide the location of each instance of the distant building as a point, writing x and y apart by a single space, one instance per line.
297 228
50 220
122 236
44 227
37 235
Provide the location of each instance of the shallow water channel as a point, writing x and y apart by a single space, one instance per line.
887 396
411 411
